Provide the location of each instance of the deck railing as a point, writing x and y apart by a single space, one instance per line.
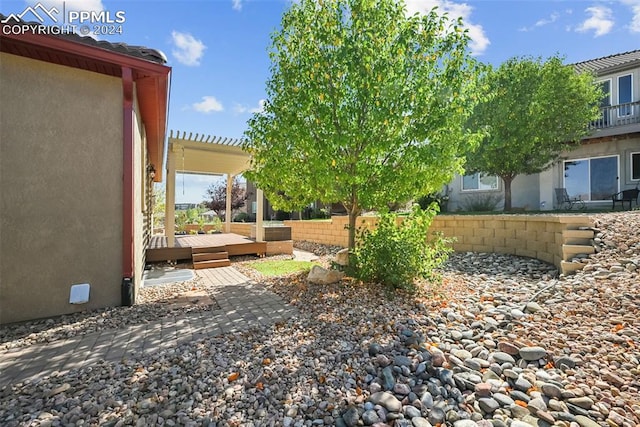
618 115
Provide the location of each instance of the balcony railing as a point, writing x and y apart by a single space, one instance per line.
618 115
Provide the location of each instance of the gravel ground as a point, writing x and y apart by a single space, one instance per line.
503 341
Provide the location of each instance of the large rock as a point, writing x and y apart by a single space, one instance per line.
388 400
532 353
342 257
322 276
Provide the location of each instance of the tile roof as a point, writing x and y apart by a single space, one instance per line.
126 49
610 63
135 51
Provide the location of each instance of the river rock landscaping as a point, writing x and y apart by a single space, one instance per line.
502 341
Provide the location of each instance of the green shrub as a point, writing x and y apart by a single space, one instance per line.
215 225
181 222
282 215
244 217
395 253
193 215
316 213
440 198
481 202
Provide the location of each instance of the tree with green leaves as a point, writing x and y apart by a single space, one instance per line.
365 106
217 197
536 110
158 205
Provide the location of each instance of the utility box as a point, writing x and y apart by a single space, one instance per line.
127 291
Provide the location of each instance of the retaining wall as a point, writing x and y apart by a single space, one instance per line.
534 236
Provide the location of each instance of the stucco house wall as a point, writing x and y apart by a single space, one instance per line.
61 179
141 190
525 191
621 146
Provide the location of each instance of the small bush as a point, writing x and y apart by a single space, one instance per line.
481 202
282 215
244 217
215 225
181 222
395 253
440 198
315 213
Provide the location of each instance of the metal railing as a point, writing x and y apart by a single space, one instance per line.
618 115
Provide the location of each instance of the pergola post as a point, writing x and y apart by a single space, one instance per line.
170 198
227 214
259 215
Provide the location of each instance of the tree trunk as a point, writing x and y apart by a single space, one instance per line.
353 216
353 209
507 180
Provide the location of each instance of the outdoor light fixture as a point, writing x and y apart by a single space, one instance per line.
151 171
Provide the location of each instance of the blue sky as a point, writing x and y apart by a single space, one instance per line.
218 49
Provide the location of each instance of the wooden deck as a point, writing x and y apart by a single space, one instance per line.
234 244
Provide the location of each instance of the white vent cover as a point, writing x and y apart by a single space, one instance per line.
79 294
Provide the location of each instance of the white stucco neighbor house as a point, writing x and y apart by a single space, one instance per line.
606 162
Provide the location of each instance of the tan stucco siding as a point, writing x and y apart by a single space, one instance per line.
61 188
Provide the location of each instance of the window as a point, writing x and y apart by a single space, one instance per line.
479 181
635 166
591 179
625 95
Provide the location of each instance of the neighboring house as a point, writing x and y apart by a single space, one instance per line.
186 206
607 161
82 131
314 210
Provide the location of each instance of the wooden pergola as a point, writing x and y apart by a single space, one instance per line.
209 155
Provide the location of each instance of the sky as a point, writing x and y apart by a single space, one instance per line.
218 49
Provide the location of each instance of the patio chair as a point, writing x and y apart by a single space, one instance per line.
564 201
625 196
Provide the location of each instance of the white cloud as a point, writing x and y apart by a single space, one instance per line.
207 105
634 5
600 21
241 109
542 22
188 50
236 4
479 40
546 21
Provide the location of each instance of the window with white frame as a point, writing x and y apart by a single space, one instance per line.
592 179
635 166
625 95
479 182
